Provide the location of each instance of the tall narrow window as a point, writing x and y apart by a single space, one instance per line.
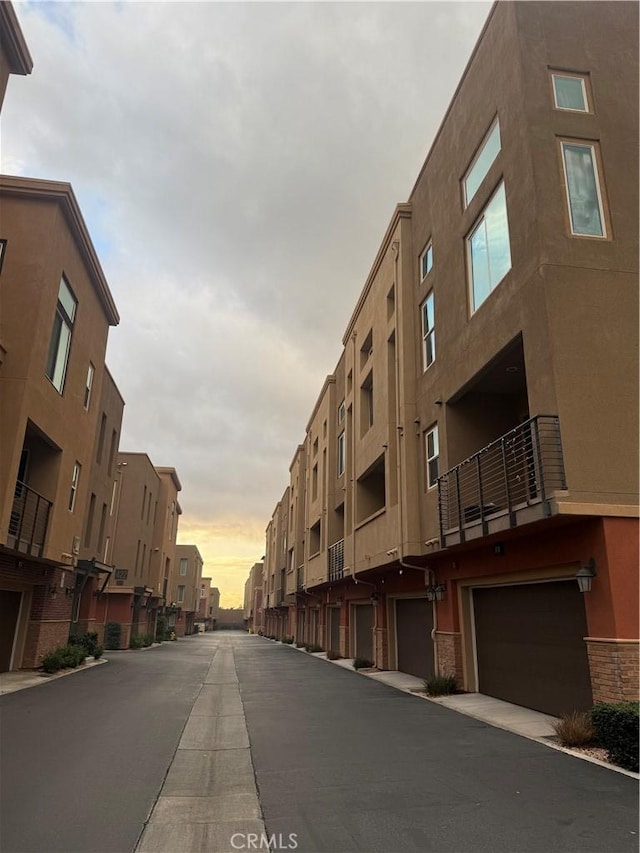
366 404
570 92
489 248
341 454
88 385
183 565
103 428
433 456
89 528
583 189
341 411
61 336
426 261
428 332
75 479
180 595
103 523
482 162
314 483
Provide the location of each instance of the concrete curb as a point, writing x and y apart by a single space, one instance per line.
11 682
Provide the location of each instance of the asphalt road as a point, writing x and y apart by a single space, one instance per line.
349 764
341 761
82 758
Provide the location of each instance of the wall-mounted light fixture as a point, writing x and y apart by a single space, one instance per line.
585 575
436 592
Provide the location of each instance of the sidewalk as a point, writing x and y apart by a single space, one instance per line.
12 681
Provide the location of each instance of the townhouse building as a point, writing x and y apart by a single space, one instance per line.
56 313
253 611
214 606
203 615
183 591
471 478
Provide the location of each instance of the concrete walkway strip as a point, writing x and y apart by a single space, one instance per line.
209 800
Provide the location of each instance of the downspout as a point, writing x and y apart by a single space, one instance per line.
434 630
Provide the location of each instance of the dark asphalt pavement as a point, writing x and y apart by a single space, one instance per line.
82 758
346 763
349 764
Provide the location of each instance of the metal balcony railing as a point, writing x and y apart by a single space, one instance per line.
279 597
523 467
335 558
300 578
29 521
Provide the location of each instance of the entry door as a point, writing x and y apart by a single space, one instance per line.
530 646
364 631
9 611
334 629
414 623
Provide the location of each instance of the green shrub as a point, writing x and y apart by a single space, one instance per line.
147 640
616 728
362 663
287 640
64 657
301 645
136 642
314 647
331 655
161 629
112 635
440 685
97 654
88 640
575 729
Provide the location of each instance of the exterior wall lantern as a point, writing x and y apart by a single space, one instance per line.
585 575
436 593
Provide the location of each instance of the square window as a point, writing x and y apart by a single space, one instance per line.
426 261
570 92
489 250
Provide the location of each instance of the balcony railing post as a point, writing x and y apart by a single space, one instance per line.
459 502
505 471
538 458
440 512
483 522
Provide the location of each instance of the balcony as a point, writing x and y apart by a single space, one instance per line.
279 597
29 521
506 484
336 561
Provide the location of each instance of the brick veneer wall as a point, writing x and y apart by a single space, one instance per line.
449 652
613 665
381 648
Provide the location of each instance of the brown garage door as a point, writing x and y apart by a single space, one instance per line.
530 646
414 622
364 631
9 610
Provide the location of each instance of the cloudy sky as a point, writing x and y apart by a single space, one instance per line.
237 165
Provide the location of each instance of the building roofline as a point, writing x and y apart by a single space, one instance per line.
330 380
402 211
299 449
113 382
172 473
13 41
455 94
63 195
195 548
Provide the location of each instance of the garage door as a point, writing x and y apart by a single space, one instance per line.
414 622
530 646
364 631
9 610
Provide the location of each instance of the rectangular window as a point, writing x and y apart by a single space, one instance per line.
89 385
426 261
366 404
428 332
489 248
61 336
341 412
103 524
341 454
433 456
482 162
105 556
3 246
75 479
183 565
314 483
583 189
570 92
89 528
180 595
144 501
103 429
112 451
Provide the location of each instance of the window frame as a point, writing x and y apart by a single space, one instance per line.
426 254
184 562
341 412
180 594
61 320
466 198
342 453
75 481
595 157
431 431
573 75
474 228
89 386
431 333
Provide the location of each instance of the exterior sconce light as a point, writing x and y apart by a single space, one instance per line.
374 598
585 575
436 593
